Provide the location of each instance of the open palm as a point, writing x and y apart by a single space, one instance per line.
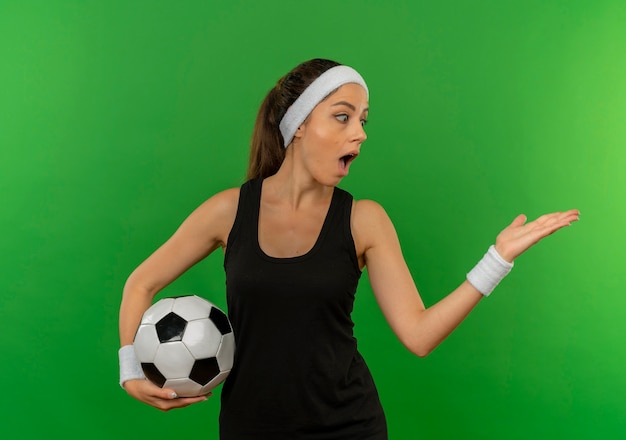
519 236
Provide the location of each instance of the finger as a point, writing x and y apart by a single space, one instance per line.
568 214
185 401
550 228
566 218
519 220
554 219
571 214
167 394
180 402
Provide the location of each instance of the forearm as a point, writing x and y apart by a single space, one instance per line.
135 301
437 322
434 324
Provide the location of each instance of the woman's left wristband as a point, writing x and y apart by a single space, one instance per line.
130 368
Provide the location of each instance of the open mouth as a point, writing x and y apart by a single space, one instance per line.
345 160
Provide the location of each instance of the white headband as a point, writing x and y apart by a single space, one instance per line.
315 93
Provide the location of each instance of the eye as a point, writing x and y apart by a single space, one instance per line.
342 117
363 122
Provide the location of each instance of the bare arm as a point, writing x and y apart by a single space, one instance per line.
419 328
205 230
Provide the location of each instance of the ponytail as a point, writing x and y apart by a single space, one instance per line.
266 146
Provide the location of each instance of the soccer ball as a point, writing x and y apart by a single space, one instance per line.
186 344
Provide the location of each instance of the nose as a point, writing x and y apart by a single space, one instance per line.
359 134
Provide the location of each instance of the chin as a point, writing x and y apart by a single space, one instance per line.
335 182
329 181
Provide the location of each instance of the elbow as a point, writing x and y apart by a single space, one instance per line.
135 284
420 338
419 347
421 351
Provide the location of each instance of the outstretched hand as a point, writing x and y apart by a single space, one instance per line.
519 236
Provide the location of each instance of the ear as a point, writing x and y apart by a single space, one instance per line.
299 131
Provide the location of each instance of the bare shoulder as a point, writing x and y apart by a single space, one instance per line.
367 207
214 218
224 201
368 213
370 223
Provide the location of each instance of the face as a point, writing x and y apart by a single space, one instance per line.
331 137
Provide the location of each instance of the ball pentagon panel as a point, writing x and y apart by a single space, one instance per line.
215 382
220 320
204 370
226 353
171 328
153 374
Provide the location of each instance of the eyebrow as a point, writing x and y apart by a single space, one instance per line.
347 104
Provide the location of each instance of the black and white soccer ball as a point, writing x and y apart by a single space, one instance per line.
186 344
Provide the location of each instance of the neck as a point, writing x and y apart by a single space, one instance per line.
293 185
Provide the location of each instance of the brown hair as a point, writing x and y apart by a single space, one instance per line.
266 147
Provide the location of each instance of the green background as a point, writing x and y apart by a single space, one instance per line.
117 118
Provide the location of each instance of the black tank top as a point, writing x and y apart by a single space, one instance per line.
297 372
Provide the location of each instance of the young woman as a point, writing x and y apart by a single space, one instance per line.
294 247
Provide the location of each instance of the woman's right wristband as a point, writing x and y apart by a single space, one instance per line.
130 368
489 271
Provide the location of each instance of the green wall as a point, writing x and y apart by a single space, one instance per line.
117 118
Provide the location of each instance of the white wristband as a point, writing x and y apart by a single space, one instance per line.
130 368
489 271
